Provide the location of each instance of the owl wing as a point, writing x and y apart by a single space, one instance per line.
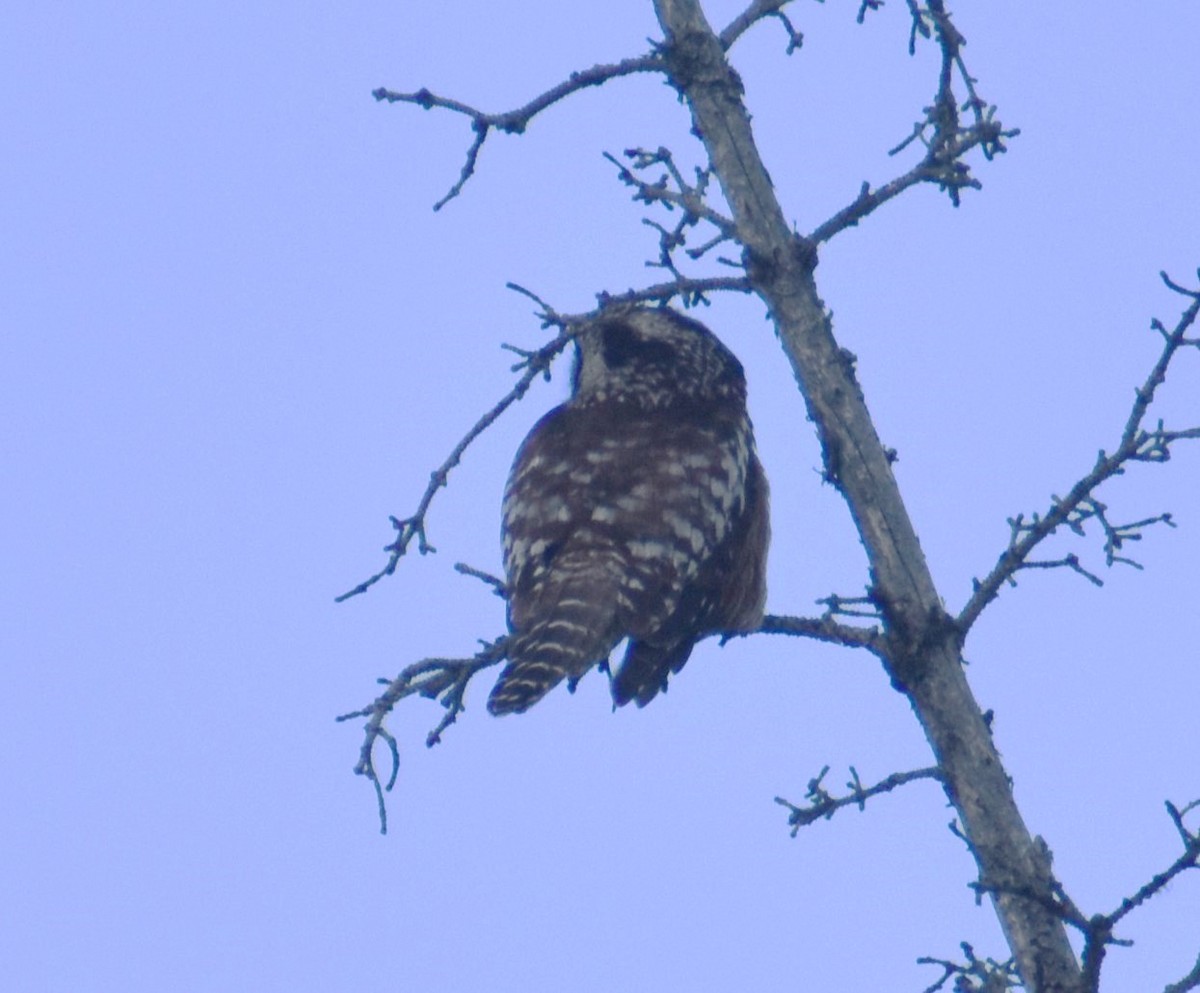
616 523
727 594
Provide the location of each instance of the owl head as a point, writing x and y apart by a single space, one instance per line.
652 357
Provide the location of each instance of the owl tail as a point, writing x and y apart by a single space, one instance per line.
564 645
645 670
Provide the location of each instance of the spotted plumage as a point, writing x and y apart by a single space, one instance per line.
637 509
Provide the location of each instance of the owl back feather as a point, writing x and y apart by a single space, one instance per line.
637 509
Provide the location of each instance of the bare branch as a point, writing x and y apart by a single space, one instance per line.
851 606
1098 929
672 191
497 584
1079 505
533 363
923 645
938 166
515 121
822 804
824 629
757 11
1189 982
691 291
1189 859
1066 562
946 140
976 975
868 5
439 679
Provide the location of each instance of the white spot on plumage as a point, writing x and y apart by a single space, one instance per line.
637 500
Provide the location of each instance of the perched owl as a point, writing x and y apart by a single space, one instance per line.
637 509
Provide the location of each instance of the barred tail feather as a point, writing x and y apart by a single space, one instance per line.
564 645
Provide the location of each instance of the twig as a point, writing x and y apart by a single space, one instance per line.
757 11
691 291
1189 982
851 606
946 140
1066 562
868 5
688 197
534 363
516 121
1135 445
931 169
984 975
436 679
825 629
822 804
1189 859
498 586
1098 929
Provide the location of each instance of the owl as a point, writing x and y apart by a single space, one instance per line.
637 509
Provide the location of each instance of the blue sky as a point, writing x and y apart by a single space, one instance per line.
235 338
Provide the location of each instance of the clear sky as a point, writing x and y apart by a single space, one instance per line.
234 338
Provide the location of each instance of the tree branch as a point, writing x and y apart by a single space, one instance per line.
533 363
439 679
690 197
690 291
822 804
976 975
1136 444
825 629
515 121
923 648
1188 859
1098 929
757 11
1189 982
946 140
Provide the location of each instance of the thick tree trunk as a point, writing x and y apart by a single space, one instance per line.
923 642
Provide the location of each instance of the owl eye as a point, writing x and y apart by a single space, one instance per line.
623 345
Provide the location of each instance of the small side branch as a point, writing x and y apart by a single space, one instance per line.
1137 444
496 584
975 974
757 11
688 196
515 121
444 680
1098 930
677 195
1189 982
946 138
532 364
822 804
825 629
691 291
1188 859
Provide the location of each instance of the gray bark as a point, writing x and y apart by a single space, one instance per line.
923 652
